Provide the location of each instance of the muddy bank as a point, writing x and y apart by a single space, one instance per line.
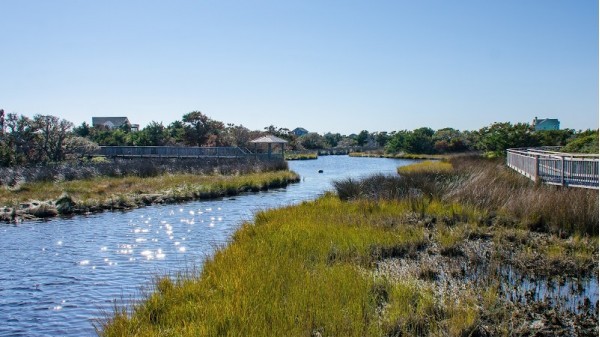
540 292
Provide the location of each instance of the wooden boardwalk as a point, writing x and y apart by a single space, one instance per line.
548 166
180 152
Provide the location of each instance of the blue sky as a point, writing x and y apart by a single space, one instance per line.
339 66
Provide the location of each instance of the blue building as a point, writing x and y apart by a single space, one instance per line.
545 124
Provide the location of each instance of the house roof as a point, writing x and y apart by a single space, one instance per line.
116 121
269 139
546 120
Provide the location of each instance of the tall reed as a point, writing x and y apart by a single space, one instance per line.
489 186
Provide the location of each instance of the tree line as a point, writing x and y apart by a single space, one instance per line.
44 138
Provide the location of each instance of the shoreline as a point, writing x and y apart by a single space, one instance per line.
383 269
372 262
205 187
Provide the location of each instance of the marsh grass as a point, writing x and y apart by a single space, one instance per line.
319 268
428 166
489 186
300 271
130 190
301 156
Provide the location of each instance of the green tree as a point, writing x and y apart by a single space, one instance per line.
396 143
449 140
362 138
199 128
498 137
381 138
18 141
175 133
420 141
156 134
83 130
235 135
583 142
332 139
104 137
554 137
312 141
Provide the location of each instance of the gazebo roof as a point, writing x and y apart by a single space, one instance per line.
269 139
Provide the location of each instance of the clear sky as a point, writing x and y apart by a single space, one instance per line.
325 65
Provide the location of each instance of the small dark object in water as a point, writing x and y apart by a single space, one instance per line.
320 171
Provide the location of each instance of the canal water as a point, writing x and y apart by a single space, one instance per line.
58 276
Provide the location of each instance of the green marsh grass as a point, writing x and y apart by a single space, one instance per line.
301 156
428 166
298 271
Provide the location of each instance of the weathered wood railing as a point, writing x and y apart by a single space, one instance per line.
177 152
551 167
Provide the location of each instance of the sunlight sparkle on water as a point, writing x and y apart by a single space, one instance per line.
147 254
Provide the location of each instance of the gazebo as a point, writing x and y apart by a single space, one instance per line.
270 140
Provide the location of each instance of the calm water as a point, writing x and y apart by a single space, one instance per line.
56 277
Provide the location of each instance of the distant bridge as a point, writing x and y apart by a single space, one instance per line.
548 166
181 152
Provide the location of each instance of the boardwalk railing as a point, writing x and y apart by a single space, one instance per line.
178 152
551 167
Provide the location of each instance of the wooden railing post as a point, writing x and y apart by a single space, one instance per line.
562 171
536 162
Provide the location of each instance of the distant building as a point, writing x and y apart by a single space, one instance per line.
299 132
113 123
545 124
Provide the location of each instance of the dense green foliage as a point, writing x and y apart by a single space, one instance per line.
584 142
48 139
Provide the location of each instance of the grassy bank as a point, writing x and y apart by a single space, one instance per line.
378 259
301 156
39 199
